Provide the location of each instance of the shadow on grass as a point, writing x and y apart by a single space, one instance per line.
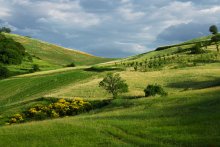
102 69
195 84
133 97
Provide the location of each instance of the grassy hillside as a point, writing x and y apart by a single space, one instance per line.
188 116
50 56
172 57
171 49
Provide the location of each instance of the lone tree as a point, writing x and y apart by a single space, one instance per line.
114 84
216 38
213 29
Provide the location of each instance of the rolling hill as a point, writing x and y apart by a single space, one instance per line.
188 116
49 56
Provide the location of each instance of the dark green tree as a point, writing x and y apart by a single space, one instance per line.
4 72
213 29
216 38
34 68
114 84
152 90
11 52
197 49
71 65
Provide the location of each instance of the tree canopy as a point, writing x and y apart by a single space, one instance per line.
213 29
114 84
11 52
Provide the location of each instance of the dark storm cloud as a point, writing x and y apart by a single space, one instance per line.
184 32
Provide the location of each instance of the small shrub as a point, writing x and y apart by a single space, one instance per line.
197 49
34 68
4 72
152 90
135 68
71 65
17 118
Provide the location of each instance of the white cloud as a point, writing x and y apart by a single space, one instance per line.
119 26
212 10
21 2
68 14
132 48
129 14
4 10
125 1
42 20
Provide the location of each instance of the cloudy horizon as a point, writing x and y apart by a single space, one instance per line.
110 28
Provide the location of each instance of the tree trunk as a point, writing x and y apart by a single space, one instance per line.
217 47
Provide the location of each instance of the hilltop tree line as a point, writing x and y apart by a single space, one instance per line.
11 52
187 59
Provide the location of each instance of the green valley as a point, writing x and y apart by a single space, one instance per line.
188 116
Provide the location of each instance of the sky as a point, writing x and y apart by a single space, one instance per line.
110 28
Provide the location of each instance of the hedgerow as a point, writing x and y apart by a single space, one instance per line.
60 108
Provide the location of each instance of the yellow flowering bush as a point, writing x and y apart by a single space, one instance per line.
60 108
55 109
16 118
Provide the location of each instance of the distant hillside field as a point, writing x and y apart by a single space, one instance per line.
49 56
188 116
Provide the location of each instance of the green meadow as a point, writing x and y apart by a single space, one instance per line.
49 56
188 116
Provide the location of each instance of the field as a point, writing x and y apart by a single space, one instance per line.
49 56
188 116
176 120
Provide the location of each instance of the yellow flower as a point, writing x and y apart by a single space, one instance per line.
78 99
61 100
13 120
33 110
54 114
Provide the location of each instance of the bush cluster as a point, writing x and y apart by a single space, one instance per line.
17 118
71 65
152 90
34 68
197 49
11 52
57 109
4 72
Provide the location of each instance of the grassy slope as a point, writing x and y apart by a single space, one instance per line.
50 56
169 50
188 116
